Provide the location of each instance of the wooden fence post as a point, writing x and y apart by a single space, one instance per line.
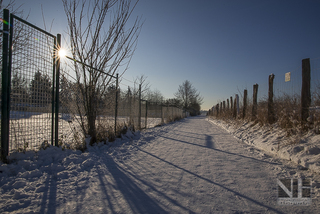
271 116
245 94
228 104
217 109
238 103
224 105
254 102
231 102
234 108
305 90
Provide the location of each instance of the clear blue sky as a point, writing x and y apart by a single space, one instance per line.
220 46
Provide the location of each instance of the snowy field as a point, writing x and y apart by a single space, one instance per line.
35 128
29 129
190 166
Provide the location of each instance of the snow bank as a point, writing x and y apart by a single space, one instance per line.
28 175
302 150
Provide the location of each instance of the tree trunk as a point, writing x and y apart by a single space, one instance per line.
92 116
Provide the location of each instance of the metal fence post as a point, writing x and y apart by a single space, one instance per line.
139 113
129 100
162 118
5 110
116 107
146 122
56 125
172 112
53 94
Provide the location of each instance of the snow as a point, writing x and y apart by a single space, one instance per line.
190 166
35 128
302 150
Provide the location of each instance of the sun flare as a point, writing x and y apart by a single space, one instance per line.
62 53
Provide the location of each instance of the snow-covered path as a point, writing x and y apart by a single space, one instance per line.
191 166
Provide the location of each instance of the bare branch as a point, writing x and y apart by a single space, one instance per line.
189 97
107 50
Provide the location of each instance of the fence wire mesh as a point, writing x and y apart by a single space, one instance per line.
73 121
71 112
128 110
31 87
33 98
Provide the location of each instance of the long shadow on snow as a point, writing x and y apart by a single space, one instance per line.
173 201
230 153
209 142
188 136
48 202
105 191
214 183
138 200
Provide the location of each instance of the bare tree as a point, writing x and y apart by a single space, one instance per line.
11 5
145 85
18 44
189 96
99 38
154 96
173 102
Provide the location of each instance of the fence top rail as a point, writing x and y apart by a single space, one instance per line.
33 26
160 104
68 57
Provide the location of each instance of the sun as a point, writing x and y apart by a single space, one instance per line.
62 53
